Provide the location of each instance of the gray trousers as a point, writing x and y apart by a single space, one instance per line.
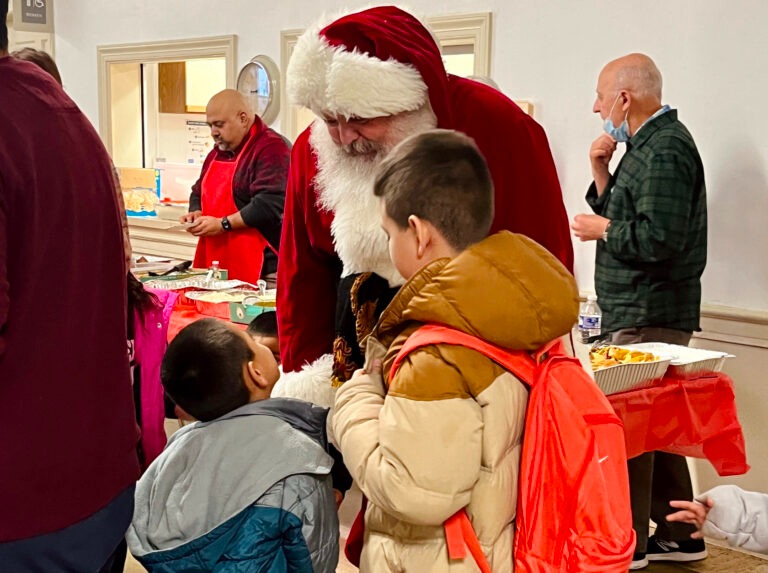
656 478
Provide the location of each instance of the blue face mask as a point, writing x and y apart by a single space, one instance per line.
620 133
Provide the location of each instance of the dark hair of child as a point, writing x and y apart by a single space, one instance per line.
441 177
264 325
202 370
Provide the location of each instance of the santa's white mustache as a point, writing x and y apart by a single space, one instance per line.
362 147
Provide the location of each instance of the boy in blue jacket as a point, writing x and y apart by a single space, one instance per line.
248 486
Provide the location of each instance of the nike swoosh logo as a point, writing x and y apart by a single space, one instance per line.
601 460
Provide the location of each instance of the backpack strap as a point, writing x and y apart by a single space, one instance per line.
518 362
460 536
459 533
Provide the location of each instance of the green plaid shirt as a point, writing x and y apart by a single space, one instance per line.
648 272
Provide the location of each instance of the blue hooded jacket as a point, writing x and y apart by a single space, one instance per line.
250 491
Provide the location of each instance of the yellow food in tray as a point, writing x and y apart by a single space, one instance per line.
605 356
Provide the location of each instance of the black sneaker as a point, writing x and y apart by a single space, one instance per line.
639 561
681 551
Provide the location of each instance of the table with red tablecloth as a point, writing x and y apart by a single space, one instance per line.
692 416
187 311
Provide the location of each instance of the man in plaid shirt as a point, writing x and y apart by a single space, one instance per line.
650 224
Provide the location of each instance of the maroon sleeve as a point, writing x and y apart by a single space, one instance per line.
528 198
308 268
5 287
260 189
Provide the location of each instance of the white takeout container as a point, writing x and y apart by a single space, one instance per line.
684 360
631 376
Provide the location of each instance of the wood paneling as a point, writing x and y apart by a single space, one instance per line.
172 87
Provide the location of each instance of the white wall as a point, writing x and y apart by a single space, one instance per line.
204 78
126 115
713 56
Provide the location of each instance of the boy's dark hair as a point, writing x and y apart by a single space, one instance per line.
41 59
3 25
439 176
202 370
265 324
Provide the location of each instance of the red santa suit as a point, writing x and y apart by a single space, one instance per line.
381 62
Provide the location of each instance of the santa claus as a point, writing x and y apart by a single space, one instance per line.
373 78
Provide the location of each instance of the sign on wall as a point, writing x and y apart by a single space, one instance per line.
33 15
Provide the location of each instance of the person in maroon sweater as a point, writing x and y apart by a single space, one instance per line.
236 206
373 78
67 424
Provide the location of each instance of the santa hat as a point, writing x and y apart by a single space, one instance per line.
373 63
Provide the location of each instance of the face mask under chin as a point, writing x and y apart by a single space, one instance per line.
619 133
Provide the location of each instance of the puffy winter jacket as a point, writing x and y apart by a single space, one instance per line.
249 491
447 434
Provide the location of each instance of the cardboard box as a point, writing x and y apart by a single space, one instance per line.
245 313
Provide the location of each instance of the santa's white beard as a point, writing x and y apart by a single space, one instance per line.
345 184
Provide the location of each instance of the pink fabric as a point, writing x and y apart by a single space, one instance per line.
150 344
693 417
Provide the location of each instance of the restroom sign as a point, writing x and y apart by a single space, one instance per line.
33 15
33 12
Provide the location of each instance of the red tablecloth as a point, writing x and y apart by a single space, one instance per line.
693 417
187 311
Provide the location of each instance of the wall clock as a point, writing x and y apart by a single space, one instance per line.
259 82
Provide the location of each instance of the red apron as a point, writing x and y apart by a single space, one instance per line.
240 251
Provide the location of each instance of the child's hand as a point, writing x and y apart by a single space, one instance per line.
375 369
693 512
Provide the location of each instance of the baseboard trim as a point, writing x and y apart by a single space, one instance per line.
741 326
732 325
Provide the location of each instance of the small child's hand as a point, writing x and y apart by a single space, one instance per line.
693 512
339 497
375 369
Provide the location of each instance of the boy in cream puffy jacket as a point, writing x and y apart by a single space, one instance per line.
446 432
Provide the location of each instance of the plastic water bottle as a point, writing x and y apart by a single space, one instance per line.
590 319
213 272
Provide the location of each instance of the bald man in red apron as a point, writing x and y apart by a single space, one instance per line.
236 206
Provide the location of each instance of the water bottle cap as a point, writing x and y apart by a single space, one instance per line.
592 297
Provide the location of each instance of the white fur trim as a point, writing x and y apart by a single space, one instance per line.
346 189
333 80
311 384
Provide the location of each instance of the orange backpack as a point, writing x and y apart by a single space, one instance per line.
573 509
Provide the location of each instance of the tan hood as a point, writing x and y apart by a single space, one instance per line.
507 290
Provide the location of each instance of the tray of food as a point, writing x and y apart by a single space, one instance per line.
621 368
197 282
217 296
268 298
685 361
